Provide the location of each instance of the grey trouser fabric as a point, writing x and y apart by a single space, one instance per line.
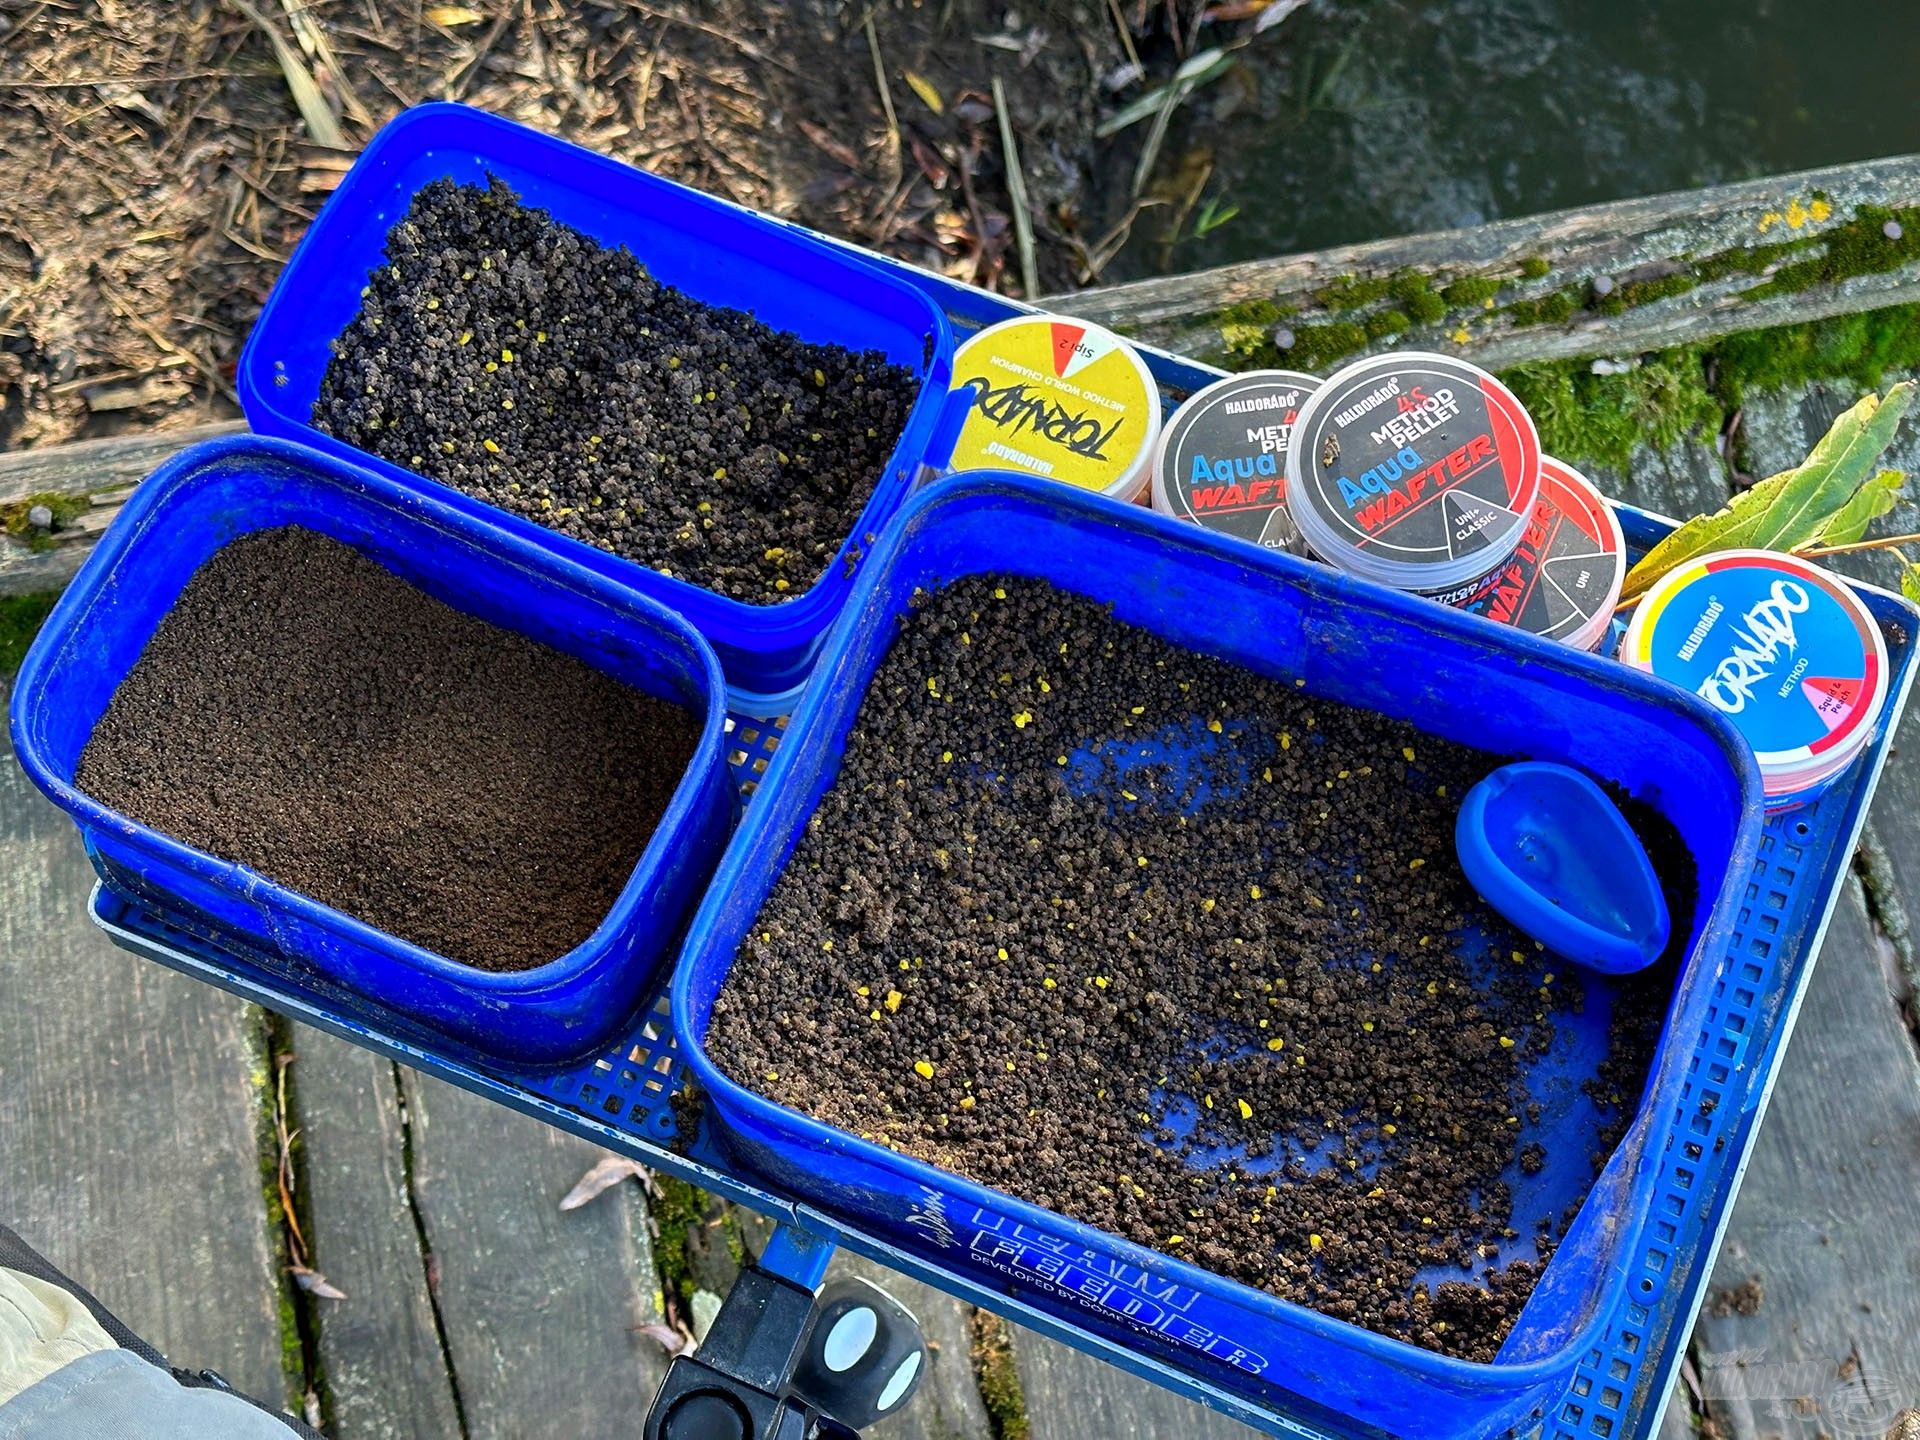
115 1395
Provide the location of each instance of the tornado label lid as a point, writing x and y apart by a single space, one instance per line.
1564 576
1057 398
1780 646
1414 460
1222 461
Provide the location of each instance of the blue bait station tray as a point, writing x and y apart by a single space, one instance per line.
1612 1370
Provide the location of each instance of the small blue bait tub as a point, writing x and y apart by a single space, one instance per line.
718 253
1346 640
211 494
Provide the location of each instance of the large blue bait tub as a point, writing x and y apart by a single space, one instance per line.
718 253
210 495
1448 674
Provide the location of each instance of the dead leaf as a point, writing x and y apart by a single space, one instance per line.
314 1283
669 1339
928 92
1275 13
838 149
322 126
451 15
930 163
607 1172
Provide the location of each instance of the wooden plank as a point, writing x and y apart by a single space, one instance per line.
104 469
1687 478
130 1106
379 1348
86 465
948 1406
1625 242
541 1310
1828 1221
1072 1396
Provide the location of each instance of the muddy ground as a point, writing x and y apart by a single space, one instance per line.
161 167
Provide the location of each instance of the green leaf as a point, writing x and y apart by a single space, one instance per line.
1848 525
1201 69
1839 465
1910 581
1792 509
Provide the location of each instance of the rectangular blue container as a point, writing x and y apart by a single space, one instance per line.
1448 674
718 253
213 493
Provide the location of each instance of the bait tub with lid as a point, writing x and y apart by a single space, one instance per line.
715 252
214 493
1401 656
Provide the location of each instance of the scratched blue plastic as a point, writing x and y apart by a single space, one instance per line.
1450 675
716 252
214 493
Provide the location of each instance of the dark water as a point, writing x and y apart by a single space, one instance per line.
1356 119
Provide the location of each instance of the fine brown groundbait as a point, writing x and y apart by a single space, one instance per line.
516 359
303 711
1240 1031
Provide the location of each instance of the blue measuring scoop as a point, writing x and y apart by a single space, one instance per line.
1546 848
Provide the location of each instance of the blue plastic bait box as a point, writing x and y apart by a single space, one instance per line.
719 253
1446 673
210 495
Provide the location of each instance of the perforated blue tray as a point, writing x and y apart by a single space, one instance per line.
622 1100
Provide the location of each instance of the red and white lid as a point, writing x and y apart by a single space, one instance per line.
1415 470
1563 579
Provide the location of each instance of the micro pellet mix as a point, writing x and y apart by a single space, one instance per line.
522 362
1180 952
304 712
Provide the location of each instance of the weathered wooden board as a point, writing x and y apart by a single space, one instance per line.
385 1370
98 464
1650 240
87 467
1632 247
1828 1221
542 1309
1072 1396
130 1101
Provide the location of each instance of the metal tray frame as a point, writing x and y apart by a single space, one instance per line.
621 1099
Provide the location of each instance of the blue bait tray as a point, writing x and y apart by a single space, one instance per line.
210 495
719 253
1626 1362
1301 625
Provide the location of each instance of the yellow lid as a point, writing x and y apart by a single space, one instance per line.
1061 399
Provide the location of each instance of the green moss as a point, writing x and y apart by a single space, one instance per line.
1383 323
1636 293
1553 309
1001 1393
1474 290
1586 418
1862 348
1351 292
677 1209
1417 296
1860 247
20 619
735 1241
1255 312
1316 347
1535 267
1248 343
66 509
1747 259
